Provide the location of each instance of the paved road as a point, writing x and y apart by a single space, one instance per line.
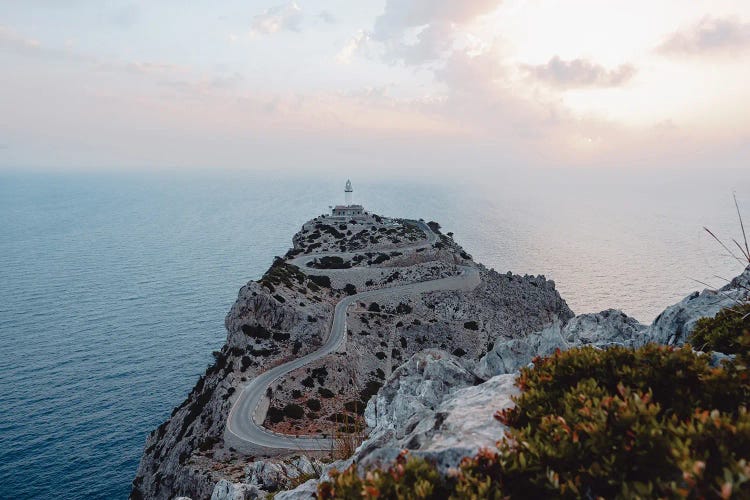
244 429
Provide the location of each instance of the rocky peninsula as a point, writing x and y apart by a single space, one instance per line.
370 336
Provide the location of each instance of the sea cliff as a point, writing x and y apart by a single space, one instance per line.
421 367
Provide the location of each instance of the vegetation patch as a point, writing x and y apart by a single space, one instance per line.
313 404
471 325
371 388
723 332
654 422
322 281
281 336
325 393
331 262
256 332
402 308
294 411
282 273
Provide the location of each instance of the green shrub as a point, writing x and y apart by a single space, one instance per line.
722 333
471 325
406 479
256 331
654 422
325 393
281 273
313 404
275 415
294 411
680 380
331 263
323 281
402 308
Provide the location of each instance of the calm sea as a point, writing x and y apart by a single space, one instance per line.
113 288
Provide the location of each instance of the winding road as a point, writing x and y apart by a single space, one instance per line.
245 431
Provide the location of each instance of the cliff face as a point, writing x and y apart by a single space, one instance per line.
439 407
288 314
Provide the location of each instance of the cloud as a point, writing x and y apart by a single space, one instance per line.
286 17
579 73
433 24
709 35
354 45
433 42
400 15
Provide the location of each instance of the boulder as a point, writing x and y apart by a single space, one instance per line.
224 490
272 475
305 491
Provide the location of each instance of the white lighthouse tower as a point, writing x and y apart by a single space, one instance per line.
348 191
348 210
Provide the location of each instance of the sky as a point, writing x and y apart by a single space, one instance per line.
420 86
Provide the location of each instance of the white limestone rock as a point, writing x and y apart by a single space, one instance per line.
431 406
305 491
603 329
224 490
272 475
674 325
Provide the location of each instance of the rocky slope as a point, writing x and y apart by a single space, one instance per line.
287 314
437 406
423 372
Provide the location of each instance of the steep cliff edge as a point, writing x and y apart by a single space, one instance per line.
288 313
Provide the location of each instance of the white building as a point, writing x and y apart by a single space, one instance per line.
348 210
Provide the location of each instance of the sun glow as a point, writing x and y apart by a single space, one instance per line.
617 33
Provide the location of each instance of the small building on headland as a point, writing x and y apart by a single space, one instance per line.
348 210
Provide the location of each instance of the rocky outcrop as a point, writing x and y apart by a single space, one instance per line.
673 326
610 327
224 490
273 475
435 407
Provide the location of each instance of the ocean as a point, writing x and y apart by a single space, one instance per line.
114 286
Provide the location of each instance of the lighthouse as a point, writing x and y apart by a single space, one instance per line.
348 191
348 209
